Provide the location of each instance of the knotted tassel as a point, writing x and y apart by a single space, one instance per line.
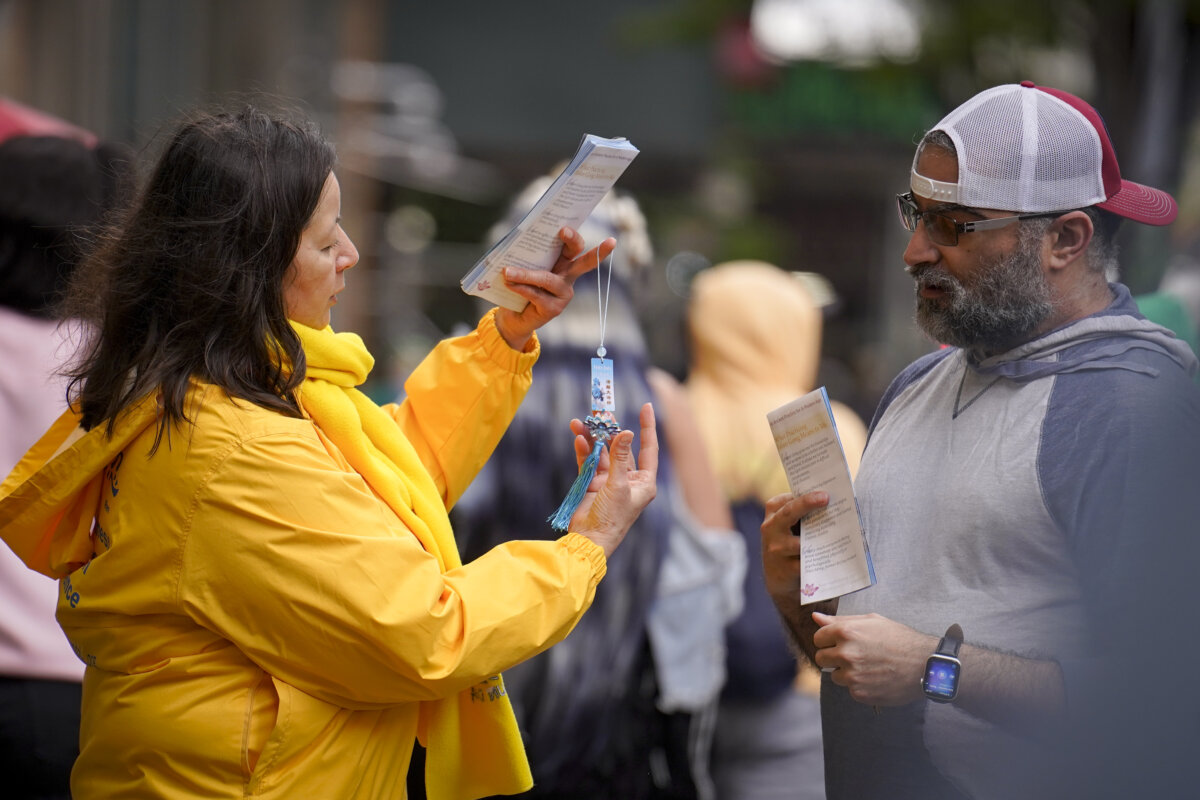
561 518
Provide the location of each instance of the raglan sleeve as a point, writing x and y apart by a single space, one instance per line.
298 564
461 399
1120 480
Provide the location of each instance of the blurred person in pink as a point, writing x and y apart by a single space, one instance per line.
755 338
54 186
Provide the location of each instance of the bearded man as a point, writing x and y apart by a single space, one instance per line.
1028 492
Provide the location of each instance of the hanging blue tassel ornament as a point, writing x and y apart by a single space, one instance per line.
602 425
561 518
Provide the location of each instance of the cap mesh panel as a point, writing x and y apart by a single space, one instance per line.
1023 150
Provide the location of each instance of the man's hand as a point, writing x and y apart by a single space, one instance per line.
781 564
879 661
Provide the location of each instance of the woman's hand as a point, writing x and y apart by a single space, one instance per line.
620 489
548 291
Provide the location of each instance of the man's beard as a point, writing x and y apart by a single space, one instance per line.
999 305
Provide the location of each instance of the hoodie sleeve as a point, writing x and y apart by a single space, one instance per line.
1119 479
300 566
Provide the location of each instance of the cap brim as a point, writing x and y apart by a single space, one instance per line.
1142 204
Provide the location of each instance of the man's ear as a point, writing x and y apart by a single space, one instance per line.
1068 239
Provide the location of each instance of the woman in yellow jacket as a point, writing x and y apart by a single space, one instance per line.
256 561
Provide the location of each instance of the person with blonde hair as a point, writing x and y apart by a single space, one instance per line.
755 337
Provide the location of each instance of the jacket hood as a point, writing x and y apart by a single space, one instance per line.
1114 334
49 500
755 338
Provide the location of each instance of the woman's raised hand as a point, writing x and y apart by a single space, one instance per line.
622 486
548 291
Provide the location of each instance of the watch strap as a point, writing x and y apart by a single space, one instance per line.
949 644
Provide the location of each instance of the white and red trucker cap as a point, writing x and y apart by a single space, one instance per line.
1031 149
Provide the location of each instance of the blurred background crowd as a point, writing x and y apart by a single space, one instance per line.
773 136
774 130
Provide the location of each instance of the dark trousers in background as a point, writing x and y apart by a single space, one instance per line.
39 737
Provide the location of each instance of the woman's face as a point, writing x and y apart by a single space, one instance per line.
314 279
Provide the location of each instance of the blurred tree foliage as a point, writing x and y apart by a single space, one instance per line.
1135 60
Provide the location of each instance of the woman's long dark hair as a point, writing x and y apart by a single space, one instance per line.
189 282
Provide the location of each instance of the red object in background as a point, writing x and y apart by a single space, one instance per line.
739 60
21 120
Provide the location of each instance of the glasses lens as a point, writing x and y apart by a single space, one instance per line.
941 229
907 210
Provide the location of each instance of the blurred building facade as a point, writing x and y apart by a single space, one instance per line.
441 111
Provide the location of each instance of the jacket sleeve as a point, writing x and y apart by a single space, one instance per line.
460 400
306 572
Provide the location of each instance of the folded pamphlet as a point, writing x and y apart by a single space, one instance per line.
834 559
534 242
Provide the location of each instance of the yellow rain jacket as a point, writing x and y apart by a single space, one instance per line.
256 622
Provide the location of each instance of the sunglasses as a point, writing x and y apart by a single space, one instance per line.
945 230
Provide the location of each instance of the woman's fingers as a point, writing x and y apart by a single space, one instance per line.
573 261
583 449
620 461
572 244
570 270
648 452
548 292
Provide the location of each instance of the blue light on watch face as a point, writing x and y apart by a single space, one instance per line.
941 677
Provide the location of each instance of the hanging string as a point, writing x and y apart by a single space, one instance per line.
602 422
602 302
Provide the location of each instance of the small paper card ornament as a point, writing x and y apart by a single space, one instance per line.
601 423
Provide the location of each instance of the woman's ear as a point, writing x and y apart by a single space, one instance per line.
1069 237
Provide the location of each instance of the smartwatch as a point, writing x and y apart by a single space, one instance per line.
943 669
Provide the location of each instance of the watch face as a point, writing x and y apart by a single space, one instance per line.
941 677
